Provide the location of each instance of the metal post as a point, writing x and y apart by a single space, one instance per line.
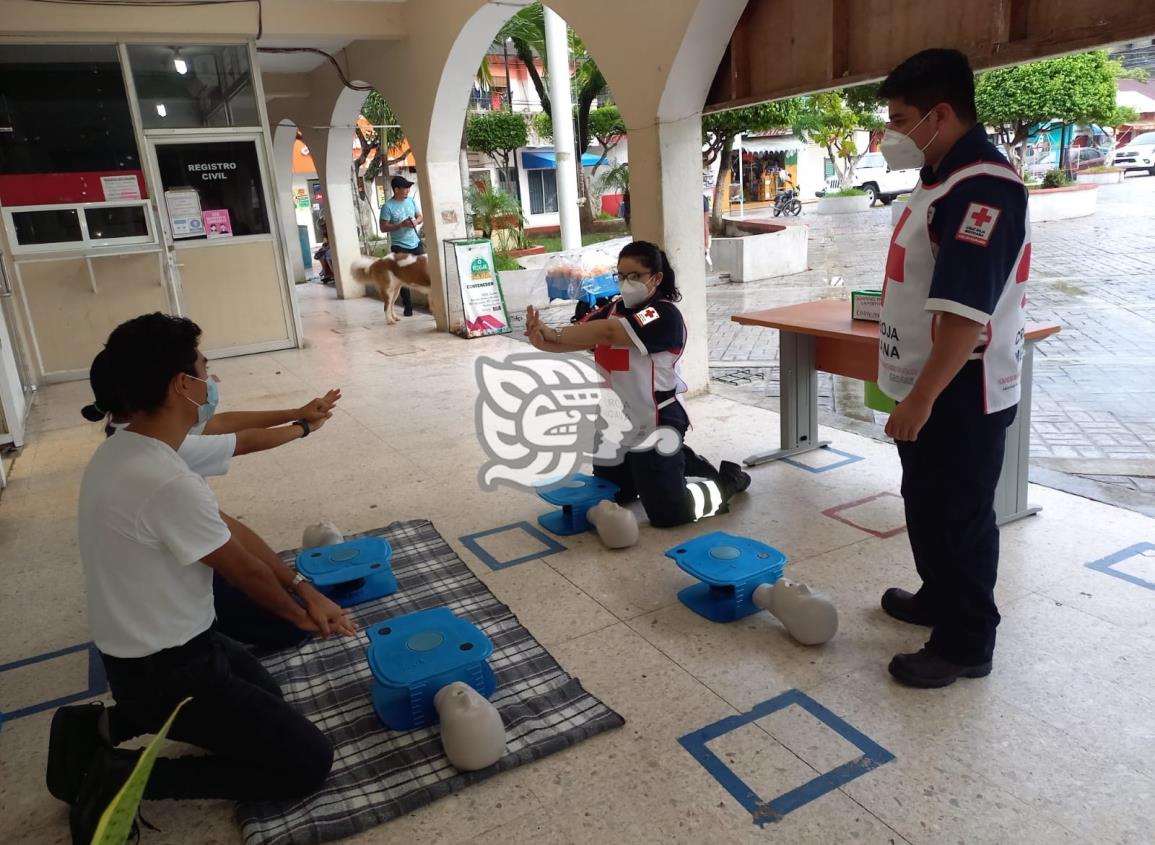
561 101
741 181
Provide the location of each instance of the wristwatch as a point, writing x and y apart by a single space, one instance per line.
298 580
304 427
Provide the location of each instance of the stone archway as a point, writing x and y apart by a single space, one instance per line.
284 140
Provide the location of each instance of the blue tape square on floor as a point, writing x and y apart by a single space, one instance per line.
1107 564
97 684
848 459
766 812
550 545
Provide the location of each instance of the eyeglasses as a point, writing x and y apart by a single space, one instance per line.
632 277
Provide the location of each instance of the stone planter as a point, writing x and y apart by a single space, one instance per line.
522 288
533 250
1106 177
1048 204
843 205
782 251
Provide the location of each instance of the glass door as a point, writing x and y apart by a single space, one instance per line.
15 384
216 212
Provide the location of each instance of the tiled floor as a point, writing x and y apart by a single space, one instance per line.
1055 747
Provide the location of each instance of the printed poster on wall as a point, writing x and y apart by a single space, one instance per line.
216 223
120 188
481 295
184 213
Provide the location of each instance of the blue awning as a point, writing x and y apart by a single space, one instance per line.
547 160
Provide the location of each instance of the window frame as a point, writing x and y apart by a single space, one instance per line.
86 242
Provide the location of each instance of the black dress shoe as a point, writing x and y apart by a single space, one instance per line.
926 670
905 607
107 773
72 740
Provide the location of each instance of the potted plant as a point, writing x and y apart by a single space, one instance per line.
499 217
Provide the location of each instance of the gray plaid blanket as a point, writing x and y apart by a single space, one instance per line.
379 775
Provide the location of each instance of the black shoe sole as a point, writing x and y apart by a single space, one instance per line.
64 783
900 674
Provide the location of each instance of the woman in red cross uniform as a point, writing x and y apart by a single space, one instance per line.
637 340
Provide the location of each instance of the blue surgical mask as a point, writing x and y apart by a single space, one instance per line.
212 397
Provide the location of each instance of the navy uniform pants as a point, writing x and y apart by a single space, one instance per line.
949 476
660 480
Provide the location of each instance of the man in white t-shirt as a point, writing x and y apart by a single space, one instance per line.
208 450
151 536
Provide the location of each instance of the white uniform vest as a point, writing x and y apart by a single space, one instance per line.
909 315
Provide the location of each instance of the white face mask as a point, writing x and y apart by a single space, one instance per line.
634 293
900 152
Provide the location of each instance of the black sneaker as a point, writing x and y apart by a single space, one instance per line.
734 479
925 670
72 740
107 773
905 607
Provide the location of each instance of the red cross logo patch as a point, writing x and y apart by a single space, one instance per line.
978 224
647 316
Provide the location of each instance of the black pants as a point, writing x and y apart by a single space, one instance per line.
242 619
259 747
949 475
660 480
406 296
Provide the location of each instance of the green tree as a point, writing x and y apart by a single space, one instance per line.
526 30
606 127
721 128
497 134
830 120
1018 101
384 135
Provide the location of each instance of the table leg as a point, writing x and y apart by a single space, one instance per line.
798 402
1011 495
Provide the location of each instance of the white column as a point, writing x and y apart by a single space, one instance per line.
666 207
561 103
284 139
326 148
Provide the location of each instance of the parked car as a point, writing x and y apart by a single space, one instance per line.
1080 158
1138 155
880 182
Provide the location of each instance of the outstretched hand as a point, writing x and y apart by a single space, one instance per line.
320 409
535 328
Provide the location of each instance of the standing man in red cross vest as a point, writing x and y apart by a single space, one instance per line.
950 354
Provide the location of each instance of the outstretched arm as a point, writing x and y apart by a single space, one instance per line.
233 422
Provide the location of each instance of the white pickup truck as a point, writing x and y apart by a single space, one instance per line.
1138 155
880 182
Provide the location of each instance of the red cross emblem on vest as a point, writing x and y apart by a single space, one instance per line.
611 359
978 224
647 316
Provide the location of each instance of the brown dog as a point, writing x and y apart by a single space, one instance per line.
390 274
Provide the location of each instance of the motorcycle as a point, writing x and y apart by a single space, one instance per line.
787 202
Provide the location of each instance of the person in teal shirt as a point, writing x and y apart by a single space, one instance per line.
400 219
